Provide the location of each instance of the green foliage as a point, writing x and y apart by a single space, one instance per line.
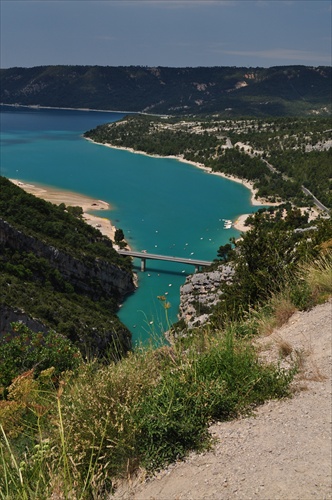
301 295
38 264
267 257
235 162
318 275
88 323
218 384
155 406
61 228
26 454
75 211
24 350
312 169
226 252
119 236
150 409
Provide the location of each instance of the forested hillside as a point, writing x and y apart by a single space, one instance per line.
275 91
62 272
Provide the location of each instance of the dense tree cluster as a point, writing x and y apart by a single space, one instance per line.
55 224
27 350
266 259
311 169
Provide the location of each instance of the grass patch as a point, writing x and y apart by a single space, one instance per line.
285 348
149 410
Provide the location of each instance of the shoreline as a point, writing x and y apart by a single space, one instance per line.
105 226
239 223
249 185
99 222
37 106
70 198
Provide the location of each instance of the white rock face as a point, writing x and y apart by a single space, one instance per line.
200 292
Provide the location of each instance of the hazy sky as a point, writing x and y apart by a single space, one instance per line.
165 32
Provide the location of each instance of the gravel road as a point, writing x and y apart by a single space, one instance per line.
283 451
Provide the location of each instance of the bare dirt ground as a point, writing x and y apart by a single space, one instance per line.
283 451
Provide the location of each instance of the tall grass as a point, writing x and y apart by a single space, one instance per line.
318 276
105 422
146 411
310 285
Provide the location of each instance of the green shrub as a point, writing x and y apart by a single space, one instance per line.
25 350
218 384
155 406
301 295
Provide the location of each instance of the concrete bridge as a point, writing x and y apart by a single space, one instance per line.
153 256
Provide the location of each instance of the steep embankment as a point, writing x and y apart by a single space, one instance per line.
95 277
283 451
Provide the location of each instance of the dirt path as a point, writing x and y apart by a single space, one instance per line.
282 452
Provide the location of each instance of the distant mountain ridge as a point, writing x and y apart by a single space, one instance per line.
275 91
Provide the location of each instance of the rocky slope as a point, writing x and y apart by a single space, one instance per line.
9 315
46 287
93 277
199 293
283 451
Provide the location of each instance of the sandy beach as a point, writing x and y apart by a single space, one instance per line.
103 224
239 223
72 199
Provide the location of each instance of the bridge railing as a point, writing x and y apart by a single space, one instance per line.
144 256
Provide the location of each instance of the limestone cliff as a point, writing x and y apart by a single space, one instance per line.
85 311
93 276
200 292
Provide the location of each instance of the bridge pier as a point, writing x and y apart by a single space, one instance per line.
143 265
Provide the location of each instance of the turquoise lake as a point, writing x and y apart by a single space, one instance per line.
163 205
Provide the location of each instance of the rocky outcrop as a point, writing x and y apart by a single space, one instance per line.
200 292
95 277
9 315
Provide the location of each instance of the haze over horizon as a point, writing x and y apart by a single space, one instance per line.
174 33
